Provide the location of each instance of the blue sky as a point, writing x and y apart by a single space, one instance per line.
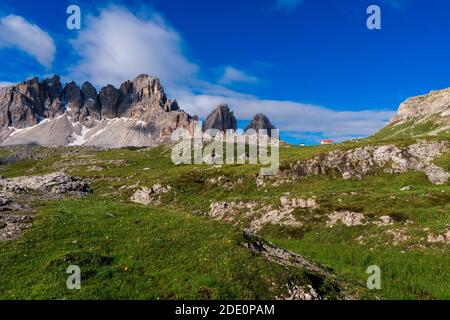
312 66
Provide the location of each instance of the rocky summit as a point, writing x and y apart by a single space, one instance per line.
418 117
44 113
222 119
261 122
436 102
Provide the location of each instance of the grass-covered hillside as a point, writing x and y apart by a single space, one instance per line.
175 248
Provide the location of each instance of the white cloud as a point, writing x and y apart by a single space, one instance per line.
16 32
287 4
293 118
117 45
233 75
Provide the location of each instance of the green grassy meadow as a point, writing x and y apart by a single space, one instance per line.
174 251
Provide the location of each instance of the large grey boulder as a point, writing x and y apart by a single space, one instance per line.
222 119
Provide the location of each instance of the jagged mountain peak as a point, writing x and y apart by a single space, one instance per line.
46 113
260 122
222 119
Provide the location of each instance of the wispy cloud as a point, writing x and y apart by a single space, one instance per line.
118 45
111 52
293 118
18 33
233 75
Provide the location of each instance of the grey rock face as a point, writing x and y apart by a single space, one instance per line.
222 119
24 104
109 99
91 107
261 122
51 116
143 99
52 96
72 96
82 105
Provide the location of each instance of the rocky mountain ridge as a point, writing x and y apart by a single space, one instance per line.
25 104
138 113
46 113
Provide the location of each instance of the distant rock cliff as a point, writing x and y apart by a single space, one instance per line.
261 122
25 104
419 117
435 103
45 113
222 119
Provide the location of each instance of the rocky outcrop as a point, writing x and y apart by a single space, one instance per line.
283 257
356 163
345 217
435 103
12 226
17 196
289 259
418 117
440 238
261 122
54 183
148 196
259 214
222 119
42 113
14 218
